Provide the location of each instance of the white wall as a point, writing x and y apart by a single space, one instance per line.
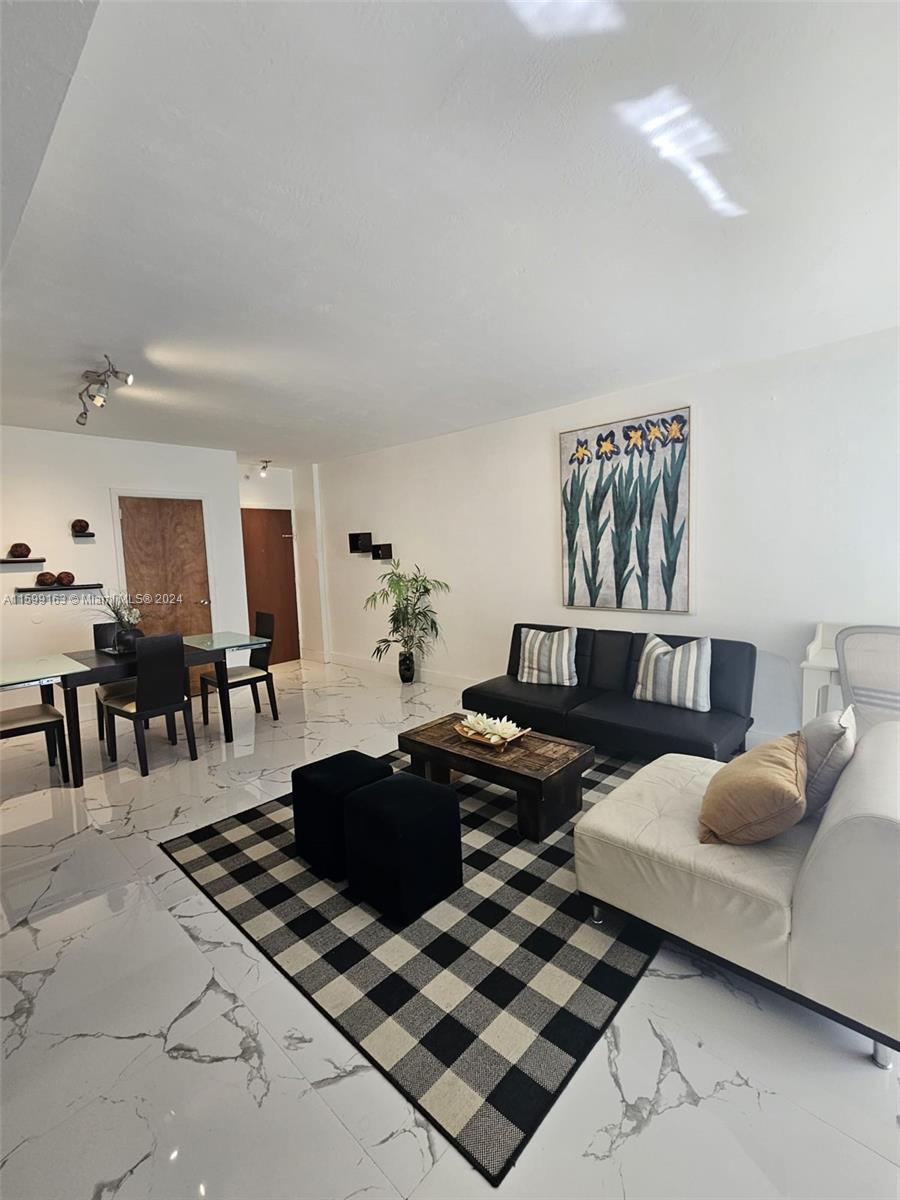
794 507
49 478
308 535
275 491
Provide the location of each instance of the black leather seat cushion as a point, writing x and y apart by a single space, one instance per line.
544 705
616 724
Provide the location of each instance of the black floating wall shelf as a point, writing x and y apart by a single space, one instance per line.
82 537
383 550
360 543
22 561
58 587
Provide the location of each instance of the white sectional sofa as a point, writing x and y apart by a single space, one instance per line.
814 911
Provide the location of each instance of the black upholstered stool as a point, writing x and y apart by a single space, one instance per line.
320 789
404 845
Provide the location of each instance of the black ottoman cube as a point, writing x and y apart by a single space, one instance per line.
404 845
320 790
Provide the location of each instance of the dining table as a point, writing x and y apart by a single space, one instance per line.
74 669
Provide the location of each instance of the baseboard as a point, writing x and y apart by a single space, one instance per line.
318 656
389 668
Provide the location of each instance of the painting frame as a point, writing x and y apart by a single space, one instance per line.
677 598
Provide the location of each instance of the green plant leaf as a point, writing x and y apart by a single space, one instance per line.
412 620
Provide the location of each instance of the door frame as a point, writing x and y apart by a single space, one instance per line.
164 494
295 557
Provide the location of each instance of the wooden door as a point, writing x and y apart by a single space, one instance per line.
166 574
271 583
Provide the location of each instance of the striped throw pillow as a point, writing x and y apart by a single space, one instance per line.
676 675
548 657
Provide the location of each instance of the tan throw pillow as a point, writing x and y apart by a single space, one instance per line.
757 795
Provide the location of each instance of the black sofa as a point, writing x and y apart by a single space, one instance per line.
600 709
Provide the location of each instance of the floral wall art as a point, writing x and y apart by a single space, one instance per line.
625 514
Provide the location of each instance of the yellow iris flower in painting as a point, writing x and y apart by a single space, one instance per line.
635 439
675 428
581 453
655 435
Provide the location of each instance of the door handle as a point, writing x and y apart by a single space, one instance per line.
203 602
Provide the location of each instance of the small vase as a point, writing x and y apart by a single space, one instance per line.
124 639
407 666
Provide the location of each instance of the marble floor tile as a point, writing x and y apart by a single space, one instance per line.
222 1114
79 1012
799 1053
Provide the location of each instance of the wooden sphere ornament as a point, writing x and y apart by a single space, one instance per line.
65 579
46 579
19 550
79 525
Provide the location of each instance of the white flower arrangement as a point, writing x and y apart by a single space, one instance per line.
495 729
126 615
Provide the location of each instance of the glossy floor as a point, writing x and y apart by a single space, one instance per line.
149 1052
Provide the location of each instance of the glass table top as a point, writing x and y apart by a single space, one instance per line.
224 641
21 672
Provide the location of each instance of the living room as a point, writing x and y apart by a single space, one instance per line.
451 600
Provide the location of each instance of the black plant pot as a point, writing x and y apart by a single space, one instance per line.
407 666
123 642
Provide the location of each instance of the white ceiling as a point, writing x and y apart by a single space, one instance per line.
310 229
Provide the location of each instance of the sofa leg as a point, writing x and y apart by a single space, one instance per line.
882 1056
596 914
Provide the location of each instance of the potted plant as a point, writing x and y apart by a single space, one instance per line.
412 621
127 619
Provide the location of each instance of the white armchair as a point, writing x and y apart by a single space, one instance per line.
814 911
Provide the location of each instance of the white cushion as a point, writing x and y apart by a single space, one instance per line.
240 675
639 850
845 941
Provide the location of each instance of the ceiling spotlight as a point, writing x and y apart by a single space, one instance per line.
125 377
96 387
264 467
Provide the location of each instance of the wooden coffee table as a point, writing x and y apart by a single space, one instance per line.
544 772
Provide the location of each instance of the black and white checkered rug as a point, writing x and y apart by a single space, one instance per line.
482 1009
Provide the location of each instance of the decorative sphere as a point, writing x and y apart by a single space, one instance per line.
19 550
80 526
46 579
65 579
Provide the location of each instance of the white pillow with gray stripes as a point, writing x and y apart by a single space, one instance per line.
548 657
676 675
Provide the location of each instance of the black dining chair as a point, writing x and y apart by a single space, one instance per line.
160 691
39 718
104 637
258 671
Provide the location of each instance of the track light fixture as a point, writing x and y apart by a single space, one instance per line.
96 387
264 467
